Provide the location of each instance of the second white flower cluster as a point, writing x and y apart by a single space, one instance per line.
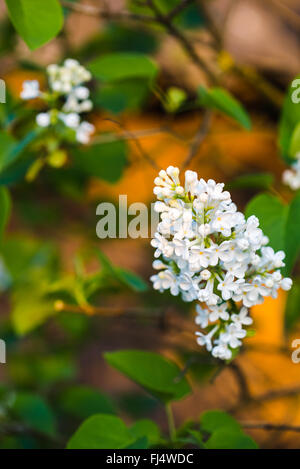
66 83
291 177
206 251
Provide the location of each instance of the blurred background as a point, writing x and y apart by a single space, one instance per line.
253 47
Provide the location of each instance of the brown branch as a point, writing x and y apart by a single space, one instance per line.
245 394
91 10
131 135
199 137
179 8
286 12
182 39
281 427
108 311
277 394
108 138
270 92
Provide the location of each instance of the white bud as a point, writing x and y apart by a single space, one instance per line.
205 274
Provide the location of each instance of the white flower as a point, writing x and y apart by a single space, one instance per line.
67 93
43 119
84 132
291 177
71 120
30 90
219 312
221 351
203 339
242 318
228 286
286 283
202 316
232 335
213 255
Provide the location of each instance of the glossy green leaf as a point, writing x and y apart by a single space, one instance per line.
158 375
213 420
127 95
295 141
34 411
101 432
123 65
290 117
132 280
227 439
83 402
29 314
7 144
146 428
292 237
221 100
252 181
124 276
272 215
292 307
37 21
104 161
5 208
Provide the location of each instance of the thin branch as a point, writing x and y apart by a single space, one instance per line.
131 135
277 394
245 394
108 138
199 137
254 78
179 8
287 13
91 10
182 39
108 311
281 427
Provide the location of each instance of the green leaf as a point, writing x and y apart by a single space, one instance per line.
295 141
174 99
226 439
105 161
123 65
101 432
7 144
132 280
252 181
272 215
290 117
30 313
213 420
292 308
222 100
190 17
125 276
83 402
155 373
36 21
292 238
146 428
117 97
34 412
5 208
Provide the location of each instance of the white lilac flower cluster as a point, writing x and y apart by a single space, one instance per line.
65 82
291 177
206 251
